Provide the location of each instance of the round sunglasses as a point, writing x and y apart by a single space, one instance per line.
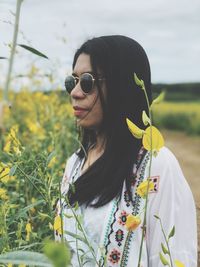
86 82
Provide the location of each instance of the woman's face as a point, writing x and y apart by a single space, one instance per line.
87 108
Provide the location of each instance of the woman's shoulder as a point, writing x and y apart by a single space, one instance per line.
72 158
71 161
166 168
165 158
70 164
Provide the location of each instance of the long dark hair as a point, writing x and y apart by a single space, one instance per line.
118 57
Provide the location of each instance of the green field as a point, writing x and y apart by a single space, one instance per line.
183 116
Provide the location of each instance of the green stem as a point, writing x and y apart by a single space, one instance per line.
149 175
13 48
78 256
61 213
166 241
125 245
32 183
82 230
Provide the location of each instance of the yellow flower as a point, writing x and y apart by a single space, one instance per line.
57 224
28 231
33 210
132 222
4 174
142 188
178 263
52 162
33 127
69 109
157 139
7 146
3 195
145 135
12 142
9 265
136 131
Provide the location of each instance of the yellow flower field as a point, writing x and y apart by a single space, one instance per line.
184 116
37 135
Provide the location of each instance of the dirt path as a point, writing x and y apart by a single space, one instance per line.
187 150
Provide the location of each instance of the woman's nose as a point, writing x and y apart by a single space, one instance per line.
77 92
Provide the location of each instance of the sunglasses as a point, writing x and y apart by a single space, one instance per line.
86 82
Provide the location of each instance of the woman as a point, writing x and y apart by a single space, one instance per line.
110 165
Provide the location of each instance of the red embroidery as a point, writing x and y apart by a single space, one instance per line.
155 180
114 256
122 217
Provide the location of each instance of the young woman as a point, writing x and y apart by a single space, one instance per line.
110 165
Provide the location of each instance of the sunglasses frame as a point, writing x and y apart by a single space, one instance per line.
78 79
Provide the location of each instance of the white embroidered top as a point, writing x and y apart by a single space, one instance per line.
171 200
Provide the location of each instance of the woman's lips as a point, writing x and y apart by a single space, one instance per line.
79 111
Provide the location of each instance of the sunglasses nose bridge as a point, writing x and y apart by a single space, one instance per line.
77 91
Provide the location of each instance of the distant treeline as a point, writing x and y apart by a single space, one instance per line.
179 91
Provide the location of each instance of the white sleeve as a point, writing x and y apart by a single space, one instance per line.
64 187
67 173
174 204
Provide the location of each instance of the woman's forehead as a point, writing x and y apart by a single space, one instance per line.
82 65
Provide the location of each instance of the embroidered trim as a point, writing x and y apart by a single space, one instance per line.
155 180
117 236
136 208
111 226
137 198
122 218
114 256
106 236
124 260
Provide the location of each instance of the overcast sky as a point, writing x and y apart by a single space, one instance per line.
169 31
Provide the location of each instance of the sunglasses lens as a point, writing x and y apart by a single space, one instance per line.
86 82
70 83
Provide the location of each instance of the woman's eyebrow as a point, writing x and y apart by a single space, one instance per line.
75 74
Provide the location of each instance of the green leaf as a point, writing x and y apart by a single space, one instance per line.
72 187
159 98
139 82
27 208
76 206
155 152
164 249
163 259
68 216
58 253
44 215
146 120
13 170
171 234
50 156
3 58
76 236
25 257
33 50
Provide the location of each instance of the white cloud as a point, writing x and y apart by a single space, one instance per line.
168 30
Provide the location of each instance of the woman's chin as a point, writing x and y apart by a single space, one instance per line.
86 125
83 124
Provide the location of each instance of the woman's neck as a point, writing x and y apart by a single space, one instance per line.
100 143
95 151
